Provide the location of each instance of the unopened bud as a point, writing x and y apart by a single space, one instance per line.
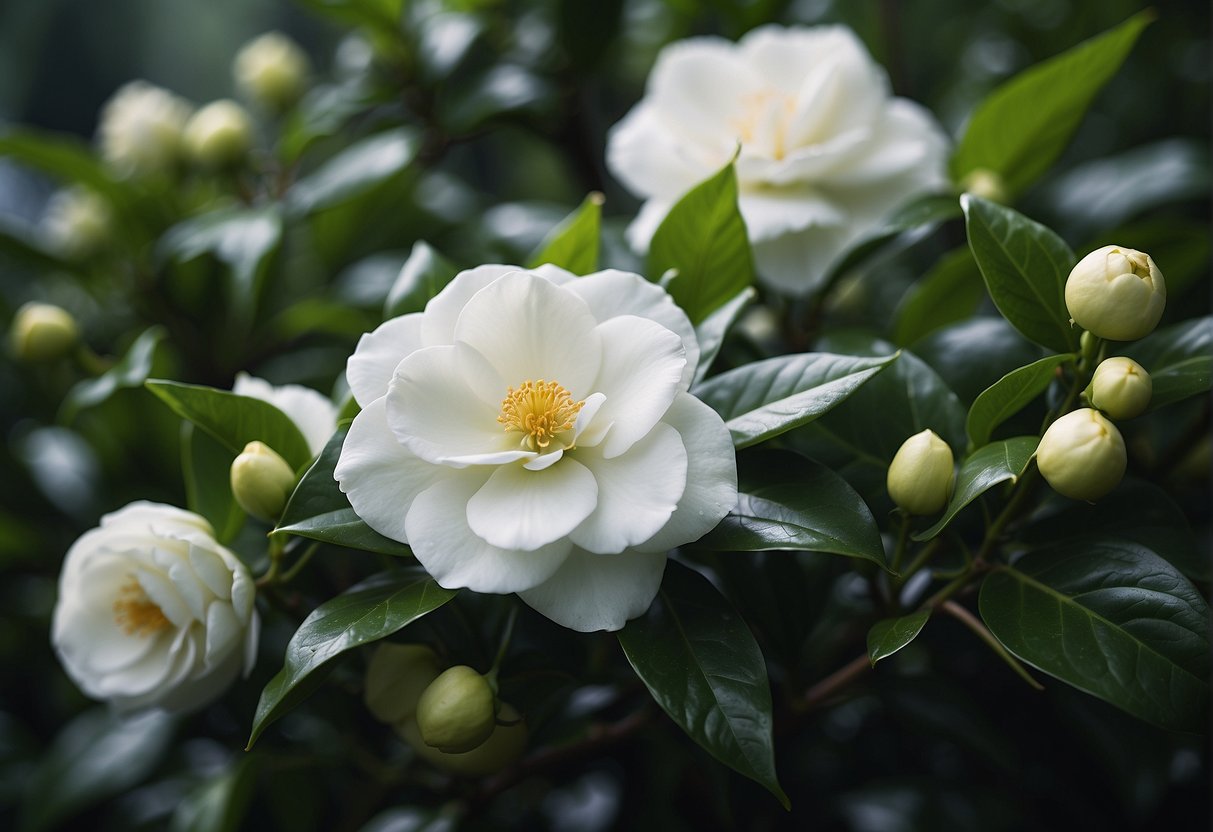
140 129
504 746
78 223
219 135
457 711
271 70
1120 388
395 679
261 481
920 476
986 184
43 332
1082 455
1116 293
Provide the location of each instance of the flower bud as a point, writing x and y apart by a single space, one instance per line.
1082 455
920 476
1116 293
457 711
261 481
1120 388
140 129
219 135
986 184
504 746
271 70
43 332
395 679
78 223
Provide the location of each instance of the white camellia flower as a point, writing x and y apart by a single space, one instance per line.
531 432
312 412
825 151
141 129
153 612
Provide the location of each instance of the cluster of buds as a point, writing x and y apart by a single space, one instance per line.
451 718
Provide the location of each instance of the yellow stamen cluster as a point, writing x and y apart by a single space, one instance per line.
541 409
756 109
137 614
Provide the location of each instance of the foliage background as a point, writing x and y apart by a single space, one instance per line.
952 741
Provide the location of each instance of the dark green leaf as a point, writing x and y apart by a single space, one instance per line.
573 245
1179 360
96 755
1025 267
219 804
371 610
206 467
421 277
786 501
712 330
972 354
1023 126
234 420
764 399
502 88
704 238
318 510
700 662
951 291
1111 618
985 468
63 157
889 635
355 170
130 371
1009 395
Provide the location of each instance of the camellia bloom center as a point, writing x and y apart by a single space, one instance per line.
540 410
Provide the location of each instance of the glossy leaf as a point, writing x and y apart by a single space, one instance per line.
987 467
318 510
1025 267
704 239
951 291
1111 618
786 501
1009 395
712 330
702 665
889 635
355 170
206 468
764 399
234 420
369 611
129 371
1023 126
220 803
1179 360
573 245
65 158
421 277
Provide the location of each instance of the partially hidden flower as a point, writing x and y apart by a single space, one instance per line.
826 152
141 128
153 612
312 412
532 432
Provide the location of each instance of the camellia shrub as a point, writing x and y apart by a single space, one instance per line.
813 465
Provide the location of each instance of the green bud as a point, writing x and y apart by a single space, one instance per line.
504 746
78 223
920 476
261 481
457 711
1120 388
1082 455
395 679
219 135
42 332
1116 293
986 184
271 70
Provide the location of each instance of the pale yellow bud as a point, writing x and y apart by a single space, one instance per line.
140 130
219 135
42 332
271 70
504 746
986 184
78 223
920 476
1120 388
395 679
1116 293
261 481
457 711
1082 455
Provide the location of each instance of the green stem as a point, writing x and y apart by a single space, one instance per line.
983 632
903 534
919 561
275 552
298 565
501 648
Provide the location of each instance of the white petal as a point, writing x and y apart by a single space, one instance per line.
640 231
151 674
189 588
554 274
223 633
161 592
711 474
637 491
699 88
252 638
433 412
212 571
844 90
906 139
143 513
611 293
369 370
795 263
530 329
652 161
642 364
598 592
773 212
544 461
441 313
522 509
456 557
378 475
